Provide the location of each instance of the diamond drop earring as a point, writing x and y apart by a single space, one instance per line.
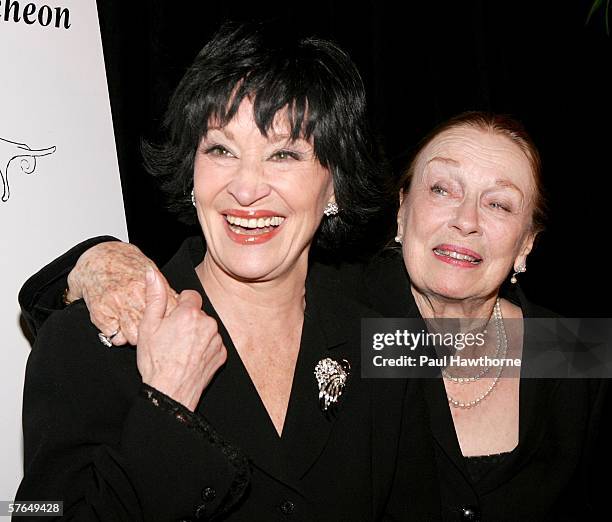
519 270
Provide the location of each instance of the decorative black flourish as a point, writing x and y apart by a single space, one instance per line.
11 150
197 423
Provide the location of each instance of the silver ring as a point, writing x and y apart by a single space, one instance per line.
107 340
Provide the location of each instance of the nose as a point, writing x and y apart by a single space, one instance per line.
248 183
466 219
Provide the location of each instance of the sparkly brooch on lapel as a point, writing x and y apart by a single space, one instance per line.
331 377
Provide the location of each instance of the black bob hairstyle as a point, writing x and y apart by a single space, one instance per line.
322 91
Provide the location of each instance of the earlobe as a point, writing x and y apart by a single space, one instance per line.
520 265
331 209
517 270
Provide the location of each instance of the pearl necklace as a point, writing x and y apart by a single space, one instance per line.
486 369
502 347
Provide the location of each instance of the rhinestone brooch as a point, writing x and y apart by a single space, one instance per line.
331 378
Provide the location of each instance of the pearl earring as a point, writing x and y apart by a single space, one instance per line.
193 201
398 239
331 209
519 270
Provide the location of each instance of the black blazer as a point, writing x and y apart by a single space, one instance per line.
115 450
553 472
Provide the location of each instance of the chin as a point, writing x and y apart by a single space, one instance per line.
254 262
253 268
452 291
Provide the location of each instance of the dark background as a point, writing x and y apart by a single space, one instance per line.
422 62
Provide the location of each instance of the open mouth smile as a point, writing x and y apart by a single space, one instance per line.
458 256
252 227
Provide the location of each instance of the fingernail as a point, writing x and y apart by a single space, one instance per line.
150 276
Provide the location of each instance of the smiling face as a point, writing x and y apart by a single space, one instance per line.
466 220
259 199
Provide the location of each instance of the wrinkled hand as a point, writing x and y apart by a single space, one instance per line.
179 353
111 278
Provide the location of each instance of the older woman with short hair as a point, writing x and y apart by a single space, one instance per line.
507 448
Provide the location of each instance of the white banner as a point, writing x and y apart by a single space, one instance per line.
58 164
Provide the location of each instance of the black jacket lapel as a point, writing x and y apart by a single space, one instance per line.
327 328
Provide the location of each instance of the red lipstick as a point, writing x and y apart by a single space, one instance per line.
442 252
250 214
249 235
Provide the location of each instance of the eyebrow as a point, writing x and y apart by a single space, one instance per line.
282 137
223 130
441 159
508 184
499 182
274 136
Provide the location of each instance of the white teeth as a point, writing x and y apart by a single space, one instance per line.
457 255
254 222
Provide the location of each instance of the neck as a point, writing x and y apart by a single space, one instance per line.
438 307
254 304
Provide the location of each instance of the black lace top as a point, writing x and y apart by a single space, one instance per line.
478 466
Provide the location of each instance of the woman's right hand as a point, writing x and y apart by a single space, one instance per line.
179 353
111 278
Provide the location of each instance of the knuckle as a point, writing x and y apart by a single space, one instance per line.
104 325
130 330
187 306
187 314
209 324
194 315
185 293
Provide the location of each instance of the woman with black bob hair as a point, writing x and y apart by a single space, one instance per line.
323 95
243 398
